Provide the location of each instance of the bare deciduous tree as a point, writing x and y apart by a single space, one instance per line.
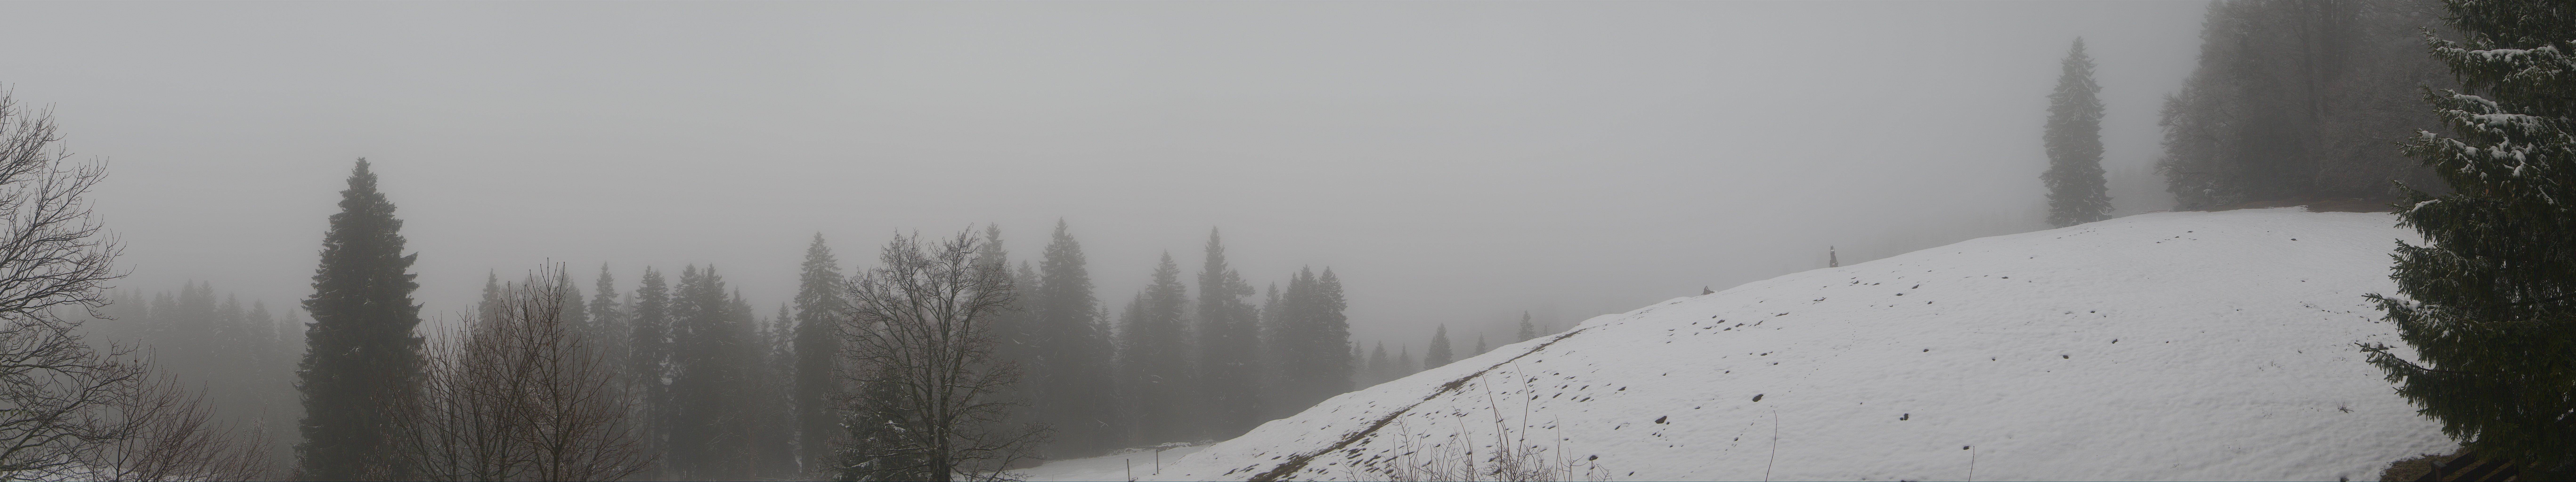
69 410
930 401
172 434
519 395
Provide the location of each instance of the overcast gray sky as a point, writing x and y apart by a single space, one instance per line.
1456 162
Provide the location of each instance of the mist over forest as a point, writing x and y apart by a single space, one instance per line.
935 240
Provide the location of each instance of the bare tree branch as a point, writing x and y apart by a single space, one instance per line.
919 341
520 396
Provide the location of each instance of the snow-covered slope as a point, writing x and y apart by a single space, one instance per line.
2196 346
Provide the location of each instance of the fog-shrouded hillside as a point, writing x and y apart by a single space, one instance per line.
2165 346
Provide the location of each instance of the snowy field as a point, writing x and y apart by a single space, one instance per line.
2168 346
1108 467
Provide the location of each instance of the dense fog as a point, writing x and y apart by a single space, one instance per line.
1459 163
1448 168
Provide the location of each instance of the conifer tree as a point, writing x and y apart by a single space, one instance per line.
1404 364
1313 340
1154 356
1439 354
1274 351
575 315
772 365
1360 376
1528 331
710 351
490 307
649 359
818 313
2299 101
360 352
1291 343
1071 375
1379 371
1480 345
1228 359
1332 328
2485 301
2076 191
609 327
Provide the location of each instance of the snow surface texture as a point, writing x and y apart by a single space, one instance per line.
2169 346
1119 466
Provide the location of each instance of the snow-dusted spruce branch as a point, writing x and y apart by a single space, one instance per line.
518 396
68 410
929 402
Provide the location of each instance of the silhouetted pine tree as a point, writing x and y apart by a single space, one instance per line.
1439 354
1153 357
709 352
1528 331
818 343
1480 345
2076 193
1229 364
360 354
575 315
490 307
1274 350
649 362
1404 363
1331 328
1071 374
2486 301
1379 370
2298 100
776 374
1313 340
610 329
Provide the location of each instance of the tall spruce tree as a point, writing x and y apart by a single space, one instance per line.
710 352
2486 301
1012 326
360 353
1228 349
1439 353
2298 100
1274 350
2076 192
1404 362
1153 357
576 316
1331 328
818 314
649 361
1379 371
609 326
490 307
781 435
1071 372
1528 331
1481 348
1314 342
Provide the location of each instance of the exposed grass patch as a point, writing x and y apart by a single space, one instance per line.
2411 468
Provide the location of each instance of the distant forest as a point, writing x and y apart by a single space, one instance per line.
2303 101
721 389
935 357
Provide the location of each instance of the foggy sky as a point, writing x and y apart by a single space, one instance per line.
1454 162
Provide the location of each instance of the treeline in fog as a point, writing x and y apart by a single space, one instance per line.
2300 101
688 379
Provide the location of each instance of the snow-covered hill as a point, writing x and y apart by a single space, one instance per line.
2198 346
